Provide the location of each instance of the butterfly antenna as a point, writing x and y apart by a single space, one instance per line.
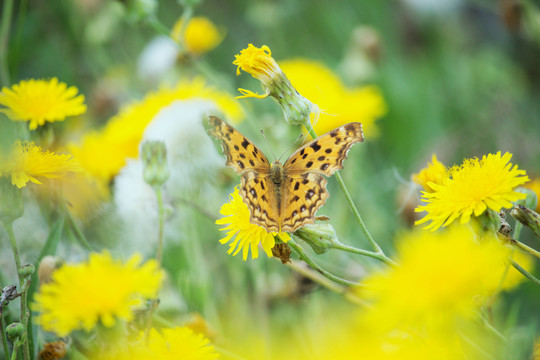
267 144
292 146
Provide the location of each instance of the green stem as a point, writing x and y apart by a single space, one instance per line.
525 273
161 212
300 251
352 205
4 338
7 12
78 232
159 252
525 248
158 26
378 256
186 16
23 288
16 347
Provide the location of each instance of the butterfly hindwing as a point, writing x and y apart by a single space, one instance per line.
242 155
325 154
304 195
258 194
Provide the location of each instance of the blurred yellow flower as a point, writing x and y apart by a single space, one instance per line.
200 35
338 104
99 290
434 172
247 235
27 162
430 288
38 101
472 188
169 343
103 153
534 185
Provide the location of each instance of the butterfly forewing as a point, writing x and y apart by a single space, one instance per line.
325 154
242 154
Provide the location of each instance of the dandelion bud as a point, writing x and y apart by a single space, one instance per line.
27 270
321 237
261 65
155 170
14 331
11 204
527 217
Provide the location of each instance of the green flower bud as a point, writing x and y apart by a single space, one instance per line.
321 237
15 330
527 217
155 169
27 270
11 204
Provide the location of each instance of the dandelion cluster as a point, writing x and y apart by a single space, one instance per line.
121 215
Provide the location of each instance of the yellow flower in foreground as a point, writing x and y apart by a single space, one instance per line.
99 290
247 235
175 343
39 101
200 35
431 288
338 104
472 188
434 172
103 153
27 162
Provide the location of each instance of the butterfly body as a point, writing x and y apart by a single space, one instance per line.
285 197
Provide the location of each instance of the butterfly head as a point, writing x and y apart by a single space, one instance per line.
276 172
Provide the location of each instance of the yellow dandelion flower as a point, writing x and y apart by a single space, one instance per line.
200 35
339 105
103 153
259 63
472 188
429 287
99 290
38 101
27 162
247 235
434 172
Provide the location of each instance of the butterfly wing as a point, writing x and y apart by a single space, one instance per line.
242 155
257 190
325 154
304 195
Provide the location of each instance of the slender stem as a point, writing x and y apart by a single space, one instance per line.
7 12
352 205
525 273
25 313
186 16
16 347
378 256
161 212
300 251
494 331
526 248
158 26
78 232
323 281
4 338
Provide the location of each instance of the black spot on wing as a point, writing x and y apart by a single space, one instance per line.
240 164
296 186
245 143
328 151
324 166
321 158
315 146
252 162
309 164
242 155
236 147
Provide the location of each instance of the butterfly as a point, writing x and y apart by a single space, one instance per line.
285 197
